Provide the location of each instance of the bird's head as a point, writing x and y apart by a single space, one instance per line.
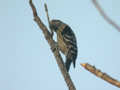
54 25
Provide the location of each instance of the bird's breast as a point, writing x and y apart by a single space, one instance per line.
61 44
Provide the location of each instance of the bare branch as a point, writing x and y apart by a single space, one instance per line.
105 16
55 51
46 10
100 74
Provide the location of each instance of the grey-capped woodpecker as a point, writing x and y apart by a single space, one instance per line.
66 41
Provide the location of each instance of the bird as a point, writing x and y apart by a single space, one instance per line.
66 41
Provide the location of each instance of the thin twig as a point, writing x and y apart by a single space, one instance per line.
105 16
100 74
46 10
55 51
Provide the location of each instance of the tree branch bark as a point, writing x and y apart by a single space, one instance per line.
105 16
101 75
54 49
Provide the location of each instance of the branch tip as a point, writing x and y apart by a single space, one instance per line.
83 64
46 7
33 8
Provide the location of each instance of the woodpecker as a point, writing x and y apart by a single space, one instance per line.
66 41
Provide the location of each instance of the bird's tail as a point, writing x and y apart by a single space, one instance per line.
74 63
67 64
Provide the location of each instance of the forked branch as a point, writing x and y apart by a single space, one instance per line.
54 49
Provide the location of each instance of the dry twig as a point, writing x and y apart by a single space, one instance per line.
100 74
54 49
105 16
46 10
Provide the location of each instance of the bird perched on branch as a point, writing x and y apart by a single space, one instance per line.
66 41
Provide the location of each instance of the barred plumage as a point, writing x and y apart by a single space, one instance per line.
66 41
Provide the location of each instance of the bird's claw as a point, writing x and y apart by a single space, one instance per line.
54 47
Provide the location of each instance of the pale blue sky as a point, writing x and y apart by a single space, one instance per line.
26 61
